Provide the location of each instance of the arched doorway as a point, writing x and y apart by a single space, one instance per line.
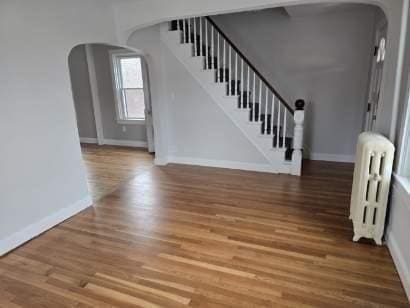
112 99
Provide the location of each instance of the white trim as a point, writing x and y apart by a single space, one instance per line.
331 157
131 122
399 69
94 92
126 143
88 140
20 237
160 161
402 186
404 144
399 262
221 164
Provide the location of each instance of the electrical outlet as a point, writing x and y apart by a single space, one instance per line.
124 128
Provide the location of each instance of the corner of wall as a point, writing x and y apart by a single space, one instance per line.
20 237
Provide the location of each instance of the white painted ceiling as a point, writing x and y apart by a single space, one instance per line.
314 9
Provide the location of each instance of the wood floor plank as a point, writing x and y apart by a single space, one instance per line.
188 236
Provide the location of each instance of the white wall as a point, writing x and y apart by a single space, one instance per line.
41 171
323 58
112 130
197 129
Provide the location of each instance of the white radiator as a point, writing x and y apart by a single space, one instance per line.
371 184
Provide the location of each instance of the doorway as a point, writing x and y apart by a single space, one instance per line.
112 99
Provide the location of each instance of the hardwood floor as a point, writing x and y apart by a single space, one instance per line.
179 236
110 166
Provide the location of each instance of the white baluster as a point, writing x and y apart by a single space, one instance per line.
183 31
218 61
242 82
284 126
206 44
201 52
236 75
254 96
260 100
272 113
299 118
248 95
212 49
189 30
266 110
195 50
224 62
230 69
278 126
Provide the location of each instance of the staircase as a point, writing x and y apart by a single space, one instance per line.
237 87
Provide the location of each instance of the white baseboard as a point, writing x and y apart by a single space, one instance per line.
220 164
331 157
88 140
126 143
20 237
399 262
161 161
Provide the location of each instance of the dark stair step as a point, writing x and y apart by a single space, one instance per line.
243 99
174 25
269 128
288 145
225 77
253 111
178 25
198 50
288 154
232 89
214 65
288 141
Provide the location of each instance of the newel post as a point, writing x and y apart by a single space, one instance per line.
299 118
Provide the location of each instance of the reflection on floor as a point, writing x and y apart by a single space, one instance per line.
108 166
179 236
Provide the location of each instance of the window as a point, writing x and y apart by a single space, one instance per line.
128 77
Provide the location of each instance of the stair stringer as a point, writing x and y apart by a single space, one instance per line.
205 78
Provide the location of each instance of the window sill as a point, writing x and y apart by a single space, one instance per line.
131 122
404 182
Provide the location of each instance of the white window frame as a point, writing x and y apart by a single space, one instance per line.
115 56
403 168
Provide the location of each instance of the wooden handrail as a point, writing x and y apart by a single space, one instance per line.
271 88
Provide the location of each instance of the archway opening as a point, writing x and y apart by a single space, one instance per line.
111 93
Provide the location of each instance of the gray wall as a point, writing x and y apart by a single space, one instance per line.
80 85
42 178
83 101
323 58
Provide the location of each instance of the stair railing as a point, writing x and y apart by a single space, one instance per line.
267 107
